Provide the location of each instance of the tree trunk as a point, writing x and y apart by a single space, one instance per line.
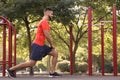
73 63
29 41
29 45
74 52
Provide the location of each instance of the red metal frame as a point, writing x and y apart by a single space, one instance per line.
9 46
71 51
14 31
102 46
6 24
90 41
114 23
4 50
114 42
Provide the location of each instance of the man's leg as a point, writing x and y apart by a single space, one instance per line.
11 70
54 55
23 65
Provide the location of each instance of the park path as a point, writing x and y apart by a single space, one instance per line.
63 77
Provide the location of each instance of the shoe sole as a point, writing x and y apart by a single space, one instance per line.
53 76
50 76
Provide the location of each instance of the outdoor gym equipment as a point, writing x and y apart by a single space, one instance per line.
8 44
114 22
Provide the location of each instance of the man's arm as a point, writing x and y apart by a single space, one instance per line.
47 35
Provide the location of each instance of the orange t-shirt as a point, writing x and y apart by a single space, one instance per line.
40 37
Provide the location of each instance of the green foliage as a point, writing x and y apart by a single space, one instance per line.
42 67
118 68
81 55
108 67
0 47
66 15
23 7
22 45
20 60
81 67
63 66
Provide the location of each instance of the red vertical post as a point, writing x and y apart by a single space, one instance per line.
4 50
14 31
90 40
14 47
9 46
71 52
102 46
114 42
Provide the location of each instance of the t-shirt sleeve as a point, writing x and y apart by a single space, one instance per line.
45 25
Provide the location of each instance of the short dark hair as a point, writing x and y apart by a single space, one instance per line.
50 9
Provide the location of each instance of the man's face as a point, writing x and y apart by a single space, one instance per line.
50 15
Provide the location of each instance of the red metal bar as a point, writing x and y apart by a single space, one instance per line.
4 50
71 52
9 46
14 31
90 40
102 46
114 42
14 52
3 24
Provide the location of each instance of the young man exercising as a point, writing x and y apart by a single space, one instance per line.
39 49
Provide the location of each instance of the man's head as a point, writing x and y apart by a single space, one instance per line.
48 12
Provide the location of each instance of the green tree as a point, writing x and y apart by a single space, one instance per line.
75 11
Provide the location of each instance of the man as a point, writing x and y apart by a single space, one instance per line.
39 49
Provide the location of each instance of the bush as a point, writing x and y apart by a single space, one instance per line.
82 67
108 67
76 69
118 67
63 66
42 67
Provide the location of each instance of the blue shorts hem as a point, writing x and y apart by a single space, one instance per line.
38 52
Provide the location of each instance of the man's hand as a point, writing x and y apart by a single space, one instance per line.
52 47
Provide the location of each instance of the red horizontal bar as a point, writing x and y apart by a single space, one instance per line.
3 23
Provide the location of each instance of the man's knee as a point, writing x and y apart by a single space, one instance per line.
32 63
54 53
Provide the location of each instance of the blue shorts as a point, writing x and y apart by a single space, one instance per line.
38 52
